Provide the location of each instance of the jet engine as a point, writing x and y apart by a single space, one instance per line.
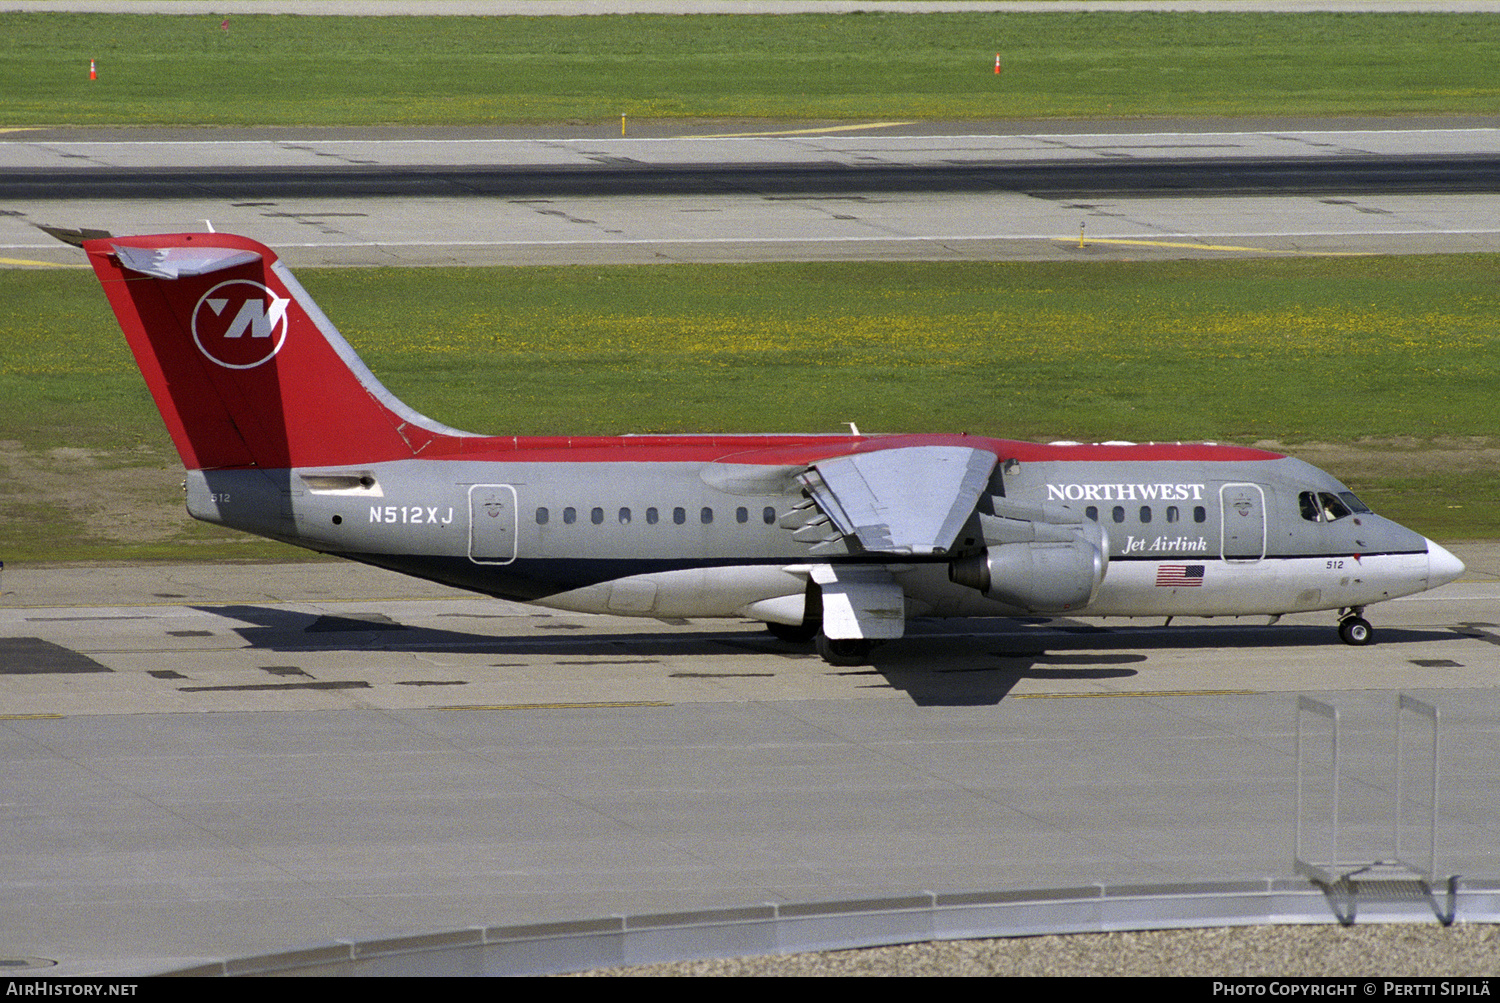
1044 560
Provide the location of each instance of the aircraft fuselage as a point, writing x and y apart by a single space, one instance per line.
658 527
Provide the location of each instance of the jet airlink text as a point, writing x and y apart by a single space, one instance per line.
1125 492
1168 544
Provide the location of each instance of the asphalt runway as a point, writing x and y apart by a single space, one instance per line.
891 190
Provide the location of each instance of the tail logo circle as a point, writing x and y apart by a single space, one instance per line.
240 324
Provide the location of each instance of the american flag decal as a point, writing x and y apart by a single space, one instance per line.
1183 575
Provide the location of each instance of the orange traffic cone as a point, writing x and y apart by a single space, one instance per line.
998 70
92 74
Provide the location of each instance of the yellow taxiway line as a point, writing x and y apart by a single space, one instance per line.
800 132
22 262
1203 247
1131 693
565 705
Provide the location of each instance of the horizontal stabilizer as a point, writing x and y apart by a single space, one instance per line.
177 262
72 235
907 500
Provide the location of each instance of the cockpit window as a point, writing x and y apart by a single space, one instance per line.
1309 506
1355 505
1324 506
1332 507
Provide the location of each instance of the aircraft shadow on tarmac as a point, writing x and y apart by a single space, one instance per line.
939 663
988 677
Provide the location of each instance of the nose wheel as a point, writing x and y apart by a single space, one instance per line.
1355 629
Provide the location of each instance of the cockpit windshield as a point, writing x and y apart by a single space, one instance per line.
1325 506
1355 505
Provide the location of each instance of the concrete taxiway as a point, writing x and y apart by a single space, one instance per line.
206 761
330 635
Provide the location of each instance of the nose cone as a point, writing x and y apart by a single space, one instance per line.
1442 567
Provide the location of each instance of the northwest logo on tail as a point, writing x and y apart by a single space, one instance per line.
240 324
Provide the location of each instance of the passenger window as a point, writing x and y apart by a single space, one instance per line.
1200 514
541 517
651 517
1119 513
1092 512
1173 513
570 515
597 516
1145 513
768 516
679 515
741 514
707 516
624 517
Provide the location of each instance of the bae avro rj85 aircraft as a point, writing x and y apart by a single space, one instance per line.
837 538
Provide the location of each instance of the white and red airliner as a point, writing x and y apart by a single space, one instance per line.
835 538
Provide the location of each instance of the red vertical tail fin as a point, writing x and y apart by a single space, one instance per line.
245 368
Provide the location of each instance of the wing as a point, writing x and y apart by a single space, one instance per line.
908 500
912 501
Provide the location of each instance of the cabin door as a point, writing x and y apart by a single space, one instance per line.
1243 510
492 523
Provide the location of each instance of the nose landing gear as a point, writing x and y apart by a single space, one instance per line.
1354 628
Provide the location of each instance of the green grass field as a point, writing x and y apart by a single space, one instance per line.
291 70
1399 353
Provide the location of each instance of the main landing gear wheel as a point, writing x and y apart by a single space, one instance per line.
794 633
844 650
1355 630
